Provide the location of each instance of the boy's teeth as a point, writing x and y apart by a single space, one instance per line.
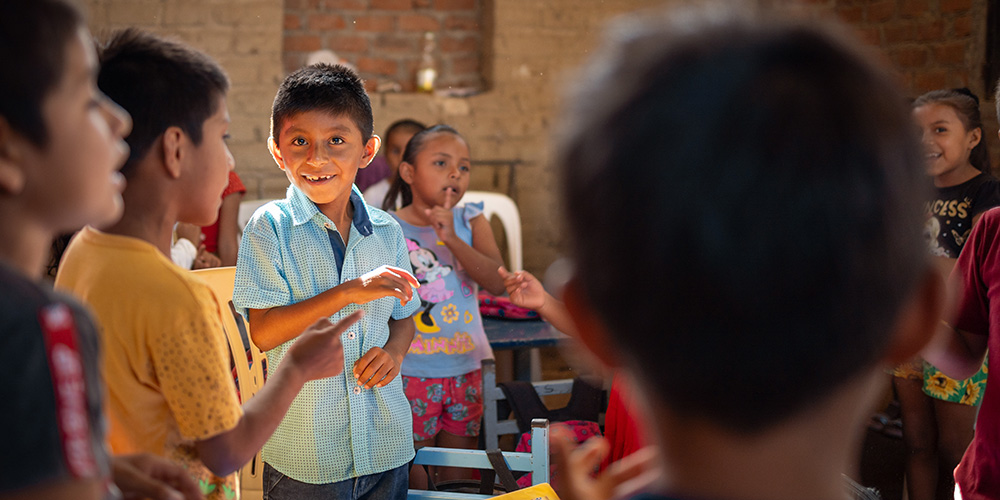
317 178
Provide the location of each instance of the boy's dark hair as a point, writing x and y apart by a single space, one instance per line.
162 83
33 40
404 124
335 89
398 188
757 185
966 106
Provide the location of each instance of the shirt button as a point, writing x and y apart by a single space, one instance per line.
357 390
351 335
326 225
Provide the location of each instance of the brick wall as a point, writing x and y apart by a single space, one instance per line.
244 36
932 44
384 39
530 46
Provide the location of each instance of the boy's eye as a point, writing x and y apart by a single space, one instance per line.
464 168
940 130
337 140
439 163
298 141
226 136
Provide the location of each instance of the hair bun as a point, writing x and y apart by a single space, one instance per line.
966 92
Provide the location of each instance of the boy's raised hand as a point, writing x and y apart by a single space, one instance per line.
383 281
524 288
376 368
441 218
318 352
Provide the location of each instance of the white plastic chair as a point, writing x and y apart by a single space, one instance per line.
247 208
250 374
510 217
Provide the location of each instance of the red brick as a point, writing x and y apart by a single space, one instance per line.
850 14
347 44
451 44
302 43
454 4
963 26
382 24
421 4
872 36
910 57
881 11
910 9
955 5
407 45
463 65
926 81
933 30
392 4
377 65
339 5
899 32
461 23
412 22
322 22
950 53
292 22
301 4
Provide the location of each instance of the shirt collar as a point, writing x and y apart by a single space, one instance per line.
303 209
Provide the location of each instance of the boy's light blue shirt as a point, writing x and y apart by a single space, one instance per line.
334 430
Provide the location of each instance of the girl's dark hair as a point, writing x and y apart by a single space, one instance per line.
33 38
966 106
406 124
399 187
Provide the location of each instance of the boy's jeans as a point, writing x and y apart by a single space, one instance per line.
388 485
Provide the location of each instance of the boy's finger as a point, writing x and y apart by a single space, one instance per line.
389 376
362 363
329 327
502 271
404 274
377 377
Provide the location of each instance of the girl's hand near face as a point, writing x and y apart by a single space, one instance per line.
442 219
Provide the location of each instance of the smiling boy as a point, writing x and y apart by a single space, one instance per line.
318 253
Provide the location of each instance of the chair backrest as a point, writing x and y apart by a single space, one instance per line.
493 427
536 462
510 217
247 208
248 358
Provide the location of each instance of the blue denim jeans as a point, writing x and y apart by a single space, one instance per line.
388 485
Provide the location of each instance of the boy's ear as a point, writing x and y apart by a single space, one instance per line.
174 140
917 320
590 328
12 176
275 152
371 149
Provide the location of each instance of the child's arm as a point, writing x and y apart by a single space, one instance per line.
526 291
318 353
382 364
959 354
272 327
479 260
229 238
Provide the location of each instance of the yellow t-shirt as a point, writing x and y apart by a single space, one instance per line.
166 363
